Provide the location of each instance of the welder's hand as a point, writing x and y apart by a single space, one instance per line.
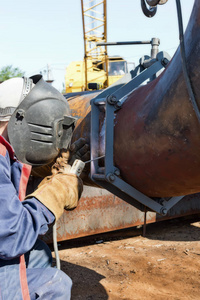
59 192
61 164
78 150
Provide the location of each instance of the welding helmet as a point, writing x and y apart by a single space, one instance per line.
41 124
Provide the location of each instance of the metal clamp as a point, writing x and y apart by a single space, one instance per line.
110 179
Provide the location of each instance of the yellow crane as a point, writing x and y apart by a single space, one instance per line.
97 70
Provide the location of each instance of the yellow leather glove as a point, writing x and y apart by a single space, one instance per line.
78 150
61 165
59 191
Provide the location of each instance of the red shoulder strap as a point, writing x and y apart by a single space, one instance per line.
26 170
23 279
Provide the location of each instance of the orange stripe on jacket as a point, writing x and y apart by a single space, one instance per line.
26 170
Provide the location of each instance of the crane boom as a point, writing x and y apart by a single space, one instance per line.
94 18
97 70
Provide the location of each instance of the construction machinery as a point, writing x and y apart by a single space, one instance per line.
97 71
144 134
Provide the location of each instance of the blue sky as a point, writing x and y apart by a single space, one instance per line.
38 33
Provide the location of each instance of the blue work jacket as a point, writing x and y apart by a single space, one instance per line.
21 221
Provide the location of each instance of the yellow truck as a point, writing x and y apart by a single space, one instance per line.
97 78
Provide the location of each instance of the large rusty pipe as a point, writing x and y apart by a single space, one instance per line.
157 133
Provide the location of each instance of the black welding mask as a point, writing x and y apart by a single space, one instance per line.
41 124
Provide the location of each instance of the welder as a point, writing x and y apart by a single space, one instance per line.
35 123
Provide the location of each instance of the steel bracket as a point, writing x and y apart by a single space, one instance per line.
109 176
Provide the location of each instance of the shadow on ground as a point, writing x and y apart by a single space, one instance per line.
86 282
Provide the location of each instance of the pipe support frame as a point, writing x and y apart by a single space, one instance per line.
111 178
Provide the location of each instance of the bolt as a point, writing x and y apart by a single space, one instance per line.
20 114
165 61
111 99
117 172
110 177
163 211
118 104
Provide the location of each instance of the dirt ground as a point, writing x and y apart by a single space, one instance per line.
165 264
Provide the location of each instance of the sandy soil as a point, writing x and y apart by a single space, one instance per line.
165 264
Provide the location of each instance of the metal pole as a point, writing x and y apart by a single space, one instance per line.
105 38
85 50
155 42
124 43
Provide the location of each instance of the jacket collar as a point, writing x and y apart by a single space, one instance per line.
8 147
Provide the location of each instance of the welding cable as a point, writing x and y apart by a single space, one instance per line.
55 243
156 2
183 59
55 246
152 2
148 12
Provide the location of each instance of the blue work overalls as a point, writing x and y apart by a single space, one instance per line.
25 261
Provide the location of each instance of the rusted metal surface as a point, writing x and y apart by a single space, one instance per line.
156 148
81 109
160 155
157 134
99 211
163 132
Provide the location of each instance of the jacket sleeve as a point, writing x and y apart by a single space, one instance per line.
21 222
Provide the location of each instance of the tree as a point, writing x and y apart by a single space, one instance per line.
10 72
